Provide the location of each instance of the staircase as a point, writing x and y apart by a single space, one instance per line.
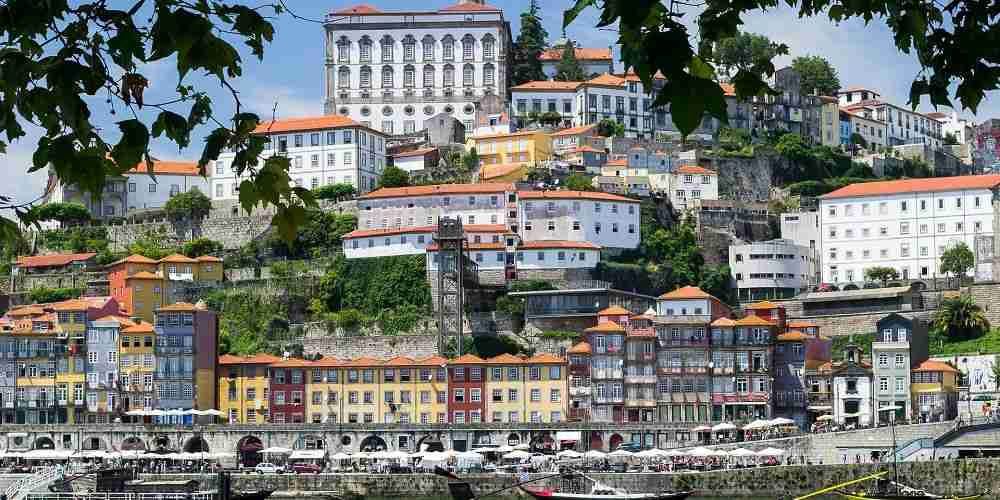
41 479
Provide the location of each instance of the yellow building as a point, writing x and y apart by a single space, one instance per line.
361 396
136 365
414 391
324 391
934 391
518 148
243 387
143 285
830 121
526 390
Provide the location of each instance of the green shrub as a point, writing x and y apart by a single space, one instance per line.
45 295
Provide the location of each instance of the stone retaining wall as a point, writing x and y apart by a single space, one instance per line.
385 347
26 282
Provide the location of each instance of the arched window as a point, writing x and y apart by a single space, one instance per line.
386 48
488 47
448 48
387 77
428 76
489 74
468 75
365 46
449 75
344 77
468 48
409 76
366 77
409 48
343 50
428 48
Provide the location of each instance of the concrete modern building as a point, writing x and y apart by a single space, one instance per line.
775 269
392 70
322 151
904 224
900 344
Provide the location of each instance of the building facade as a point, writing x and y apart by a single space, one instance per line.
935 391
775 269
244 387
796 352
901 125
900 344
185 347
851 387
141 285
594 61
689 184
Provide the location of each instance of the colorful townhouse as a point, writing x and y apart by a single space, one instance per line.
142 284
325 391
607 365
362 390
466 385
579 382
186 359
526 389
288 389
136 366
935 391
243 387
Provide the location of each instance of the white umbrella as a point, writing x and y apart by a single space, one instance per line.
361 454
781 421
824 418
173 413
340 457
400 455
595 454
434 456
522 446
517 455
488 449
702 428
889 408
723 427
137 413
155 413
674 453
721 453
275 450
770 452
758 424
569 454
505 449
742 452
620 453
700 452
212 413
650 453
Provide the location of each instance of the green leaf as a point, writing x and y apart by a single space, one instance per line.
216 141
288 219
174 125
569 15
132 146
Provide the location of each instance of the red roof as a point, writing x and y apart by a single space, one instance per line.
499 170
694 169
545 358
606 327
614 311
439 189
607 80
415 152
358 9
469 7
161 167
935 366
574 130
134 259
929 185
687 292
584 245
580 348
256 359
618 162
587 149
573 195
547 85
469 228
141 327
581 53
61 259
307 123
762 305
467 359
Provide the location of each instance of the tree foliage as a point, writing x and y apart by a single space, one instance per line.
320 234
610 128
957 260
191 205
65 213
881 274
744 51
42 295
950 40
817 75
569 68
529 46
470 160
393 177
960 319
950 139
201 246
335 192
578 182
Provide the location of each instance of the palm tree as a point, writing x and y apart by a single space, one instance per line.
960 319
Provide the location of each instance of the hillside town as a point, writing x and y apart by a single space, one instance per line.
548 254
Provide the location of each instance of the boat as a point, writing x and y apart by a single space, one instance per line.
603 492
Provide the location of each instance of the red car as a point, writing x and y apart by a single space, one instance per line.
306 468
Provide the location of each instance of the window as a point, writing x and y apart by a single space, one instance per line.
468 72
468 44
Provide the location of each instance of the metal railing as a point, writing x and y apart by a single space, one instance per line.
20 488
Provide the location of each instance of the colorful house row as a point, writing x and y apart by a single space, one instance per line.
434 390
141 285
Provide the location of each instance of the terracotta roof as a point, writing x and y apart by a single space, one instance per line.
364 361
256 359
118 319
328 362
752 320
793 336
144 275
573 195
60 259
694 169
574 130
587 149
828 98
817 364
762 306
580 348
581 53
723 322
505 359
31 310
438 189
292 363
415 152
467 359
511 134
499 170
469 7
432 361
178 258
179 306
469 228
607 80
140 327
70 305
208 258
687 292
855 88
545 358
584 245
399 361
547 85
728 89
134 259
936 115
801 323
161 167
607 326
486 245
358 9
614 311
932 184
306 123
641 333
620 162
935 366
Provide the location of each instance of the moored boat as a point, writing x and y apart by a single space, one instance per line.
603 492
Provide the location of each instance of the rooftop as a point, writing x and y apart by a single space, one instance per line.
547 85
415 152
687 292
606 327
573 195
574 130
935 366
61 259
487 172
694 169
162 167
928 185
581 53
256 359
762 305
438 190
306 123
614 311
580 348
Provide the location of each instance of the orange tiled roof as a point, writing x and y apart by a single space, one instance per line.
399 361
358 9
580 348
121 320
607 326
793 336
162 167
574 130
432 361
292 363
469 7
587 149
694 169
547 85
415 152
467 359
364 361
762 306
723 322
545 358
509 134
208 258
140 327
607 80
439 189
752 320
687 292
31 310
505 359
620 162
52 260
800 323
487 172
573 195
256 359
178 307
70 305
143 275
306 123
581 53
817 364
531 245
928 185
178 258
935 366
134 259
614 311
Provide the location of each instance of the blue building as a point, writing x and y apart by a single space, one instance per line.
102 367
845 129
185 349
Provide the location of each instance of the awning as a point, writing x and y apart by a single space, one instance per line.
17 434
569 436
307 455
820 408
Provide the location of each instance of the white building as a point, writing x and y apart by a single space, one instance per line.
607 220
873 131
322 150
546 96
137 189
904 224
775 269
852 390
903 125
801 228
415 240
392 70
690 183
593 61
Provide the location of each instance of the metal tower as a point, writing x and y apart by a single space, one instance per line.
452 261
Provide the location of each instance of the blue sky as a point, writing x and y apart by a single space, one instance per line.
291 72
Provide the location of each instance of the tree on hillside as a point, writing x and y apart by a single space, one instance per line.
569 68
957 260
470 160
960 319
858 140
192 205
746 51
63 212
335 192
201 246
610 128
578 182
393 177
817 74
528 47
881 274
950 139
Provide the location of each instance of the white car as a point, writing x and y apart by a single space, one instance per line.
267 468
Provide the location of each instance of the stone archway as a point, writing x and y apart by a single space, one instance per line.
248 451
542 441
93 443
596 442
433 443
513 439
161 443
918 286
373 443
133 444
196 444
614 441
44 443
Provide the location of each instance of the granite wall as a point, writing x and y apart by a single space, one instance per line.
413 346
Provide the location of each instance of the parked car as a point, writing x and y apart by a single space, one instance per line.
268 468
306 468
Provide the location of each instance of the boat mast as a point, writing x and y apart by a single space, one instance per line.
895 464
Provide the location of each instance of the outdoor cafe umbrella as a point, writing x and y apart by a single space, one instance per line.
620 454
340 457
517 455
781 421
758 425
824 418
569 454
505 449
700 452
674 453
770 452
522 446
595 454
723 427
650 453
742 452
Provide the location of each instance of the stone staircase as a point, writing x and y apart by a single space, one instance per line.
20 487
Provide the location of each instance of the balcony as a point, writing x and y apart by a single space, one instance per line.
180 276
77 402
583 390
640 379
689 342
579 370
606 373
640 402
680 370
608 400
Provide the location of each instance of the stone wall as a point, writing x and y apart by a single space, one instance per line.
414 346
987 296
536 326
232 232
25 282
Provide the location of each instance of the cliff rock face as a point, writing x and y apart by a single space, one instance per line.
746 179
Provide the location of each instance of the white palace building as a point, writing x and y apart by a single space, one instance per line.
393 70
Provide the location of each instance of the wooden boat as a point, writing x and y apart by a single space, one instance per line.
885 489
603 492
